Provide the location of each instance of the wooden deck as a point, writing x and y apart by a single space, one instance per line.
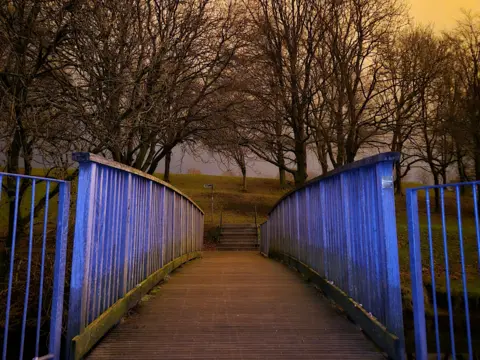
235 305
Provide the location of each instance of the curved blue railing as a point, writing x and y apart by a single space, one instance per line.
129 225
342 226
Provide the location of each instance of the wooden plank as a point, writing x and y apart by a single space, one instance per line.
388 342
235 305
81 344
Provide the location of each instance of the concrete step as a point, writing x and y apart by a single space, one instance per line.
240 243
235 249
226 247
236 238
239 236
238 226
237 229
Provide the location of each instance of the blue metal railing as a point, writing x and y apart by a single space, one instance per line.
342 225
20 247
451 256
128 226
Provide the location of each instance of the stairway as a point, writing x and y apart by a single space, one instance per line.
238 237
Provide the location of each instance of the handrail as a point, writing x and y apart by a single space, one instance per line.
369 161
256 225
131 229
342 226
82 157
221 219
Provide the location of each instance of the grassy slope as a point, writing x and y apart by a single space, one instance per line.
235 205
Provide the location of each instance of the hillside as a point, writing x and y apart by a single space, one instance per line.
237 206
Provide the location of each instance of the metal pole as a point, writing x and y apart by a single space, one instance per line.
212 205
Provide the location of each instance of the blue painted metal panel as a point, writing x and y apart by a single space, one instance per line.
342 224
128 225
21 241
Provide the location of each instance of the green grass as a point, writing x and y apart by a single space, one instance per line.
235 205
453 244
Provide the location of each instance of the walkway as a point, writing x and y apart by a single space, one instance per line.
235 305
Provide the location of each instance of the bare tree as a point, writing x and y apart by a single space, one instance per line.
227 146
434 143
466 38
409 69
285 37
346 111
148 73
33 34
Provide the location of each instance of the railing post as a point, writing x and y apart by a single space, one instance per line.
416 272
221 219
256 226
81 250
347 212
388 233
59 269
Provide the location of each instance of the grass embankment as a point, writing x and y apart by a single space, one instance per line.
235 205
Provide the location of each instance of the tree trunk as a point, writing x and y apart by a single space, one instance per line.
281 169
244 181
322 156
283 177
340 141
477 167
3 265
398 179
461 170
301 160
437 191
477 158
13 160
168 159
280 156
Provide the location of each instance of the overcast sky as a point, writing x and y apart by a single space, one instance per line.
442 14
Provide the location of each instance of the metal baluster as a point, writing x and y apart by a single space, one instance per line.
477 222
432 274
42 267
447 273
29 268
10 276
464 274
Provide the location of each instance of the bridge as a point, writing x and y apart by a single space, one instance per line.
324 283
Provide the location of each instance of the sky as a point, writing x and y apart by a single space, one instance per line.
442 14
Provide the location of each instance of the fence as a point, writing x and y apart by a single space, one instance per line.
131 229
444 259
342 226
34 285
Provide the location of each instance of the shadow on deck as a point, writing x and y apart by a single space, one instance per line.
235 305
